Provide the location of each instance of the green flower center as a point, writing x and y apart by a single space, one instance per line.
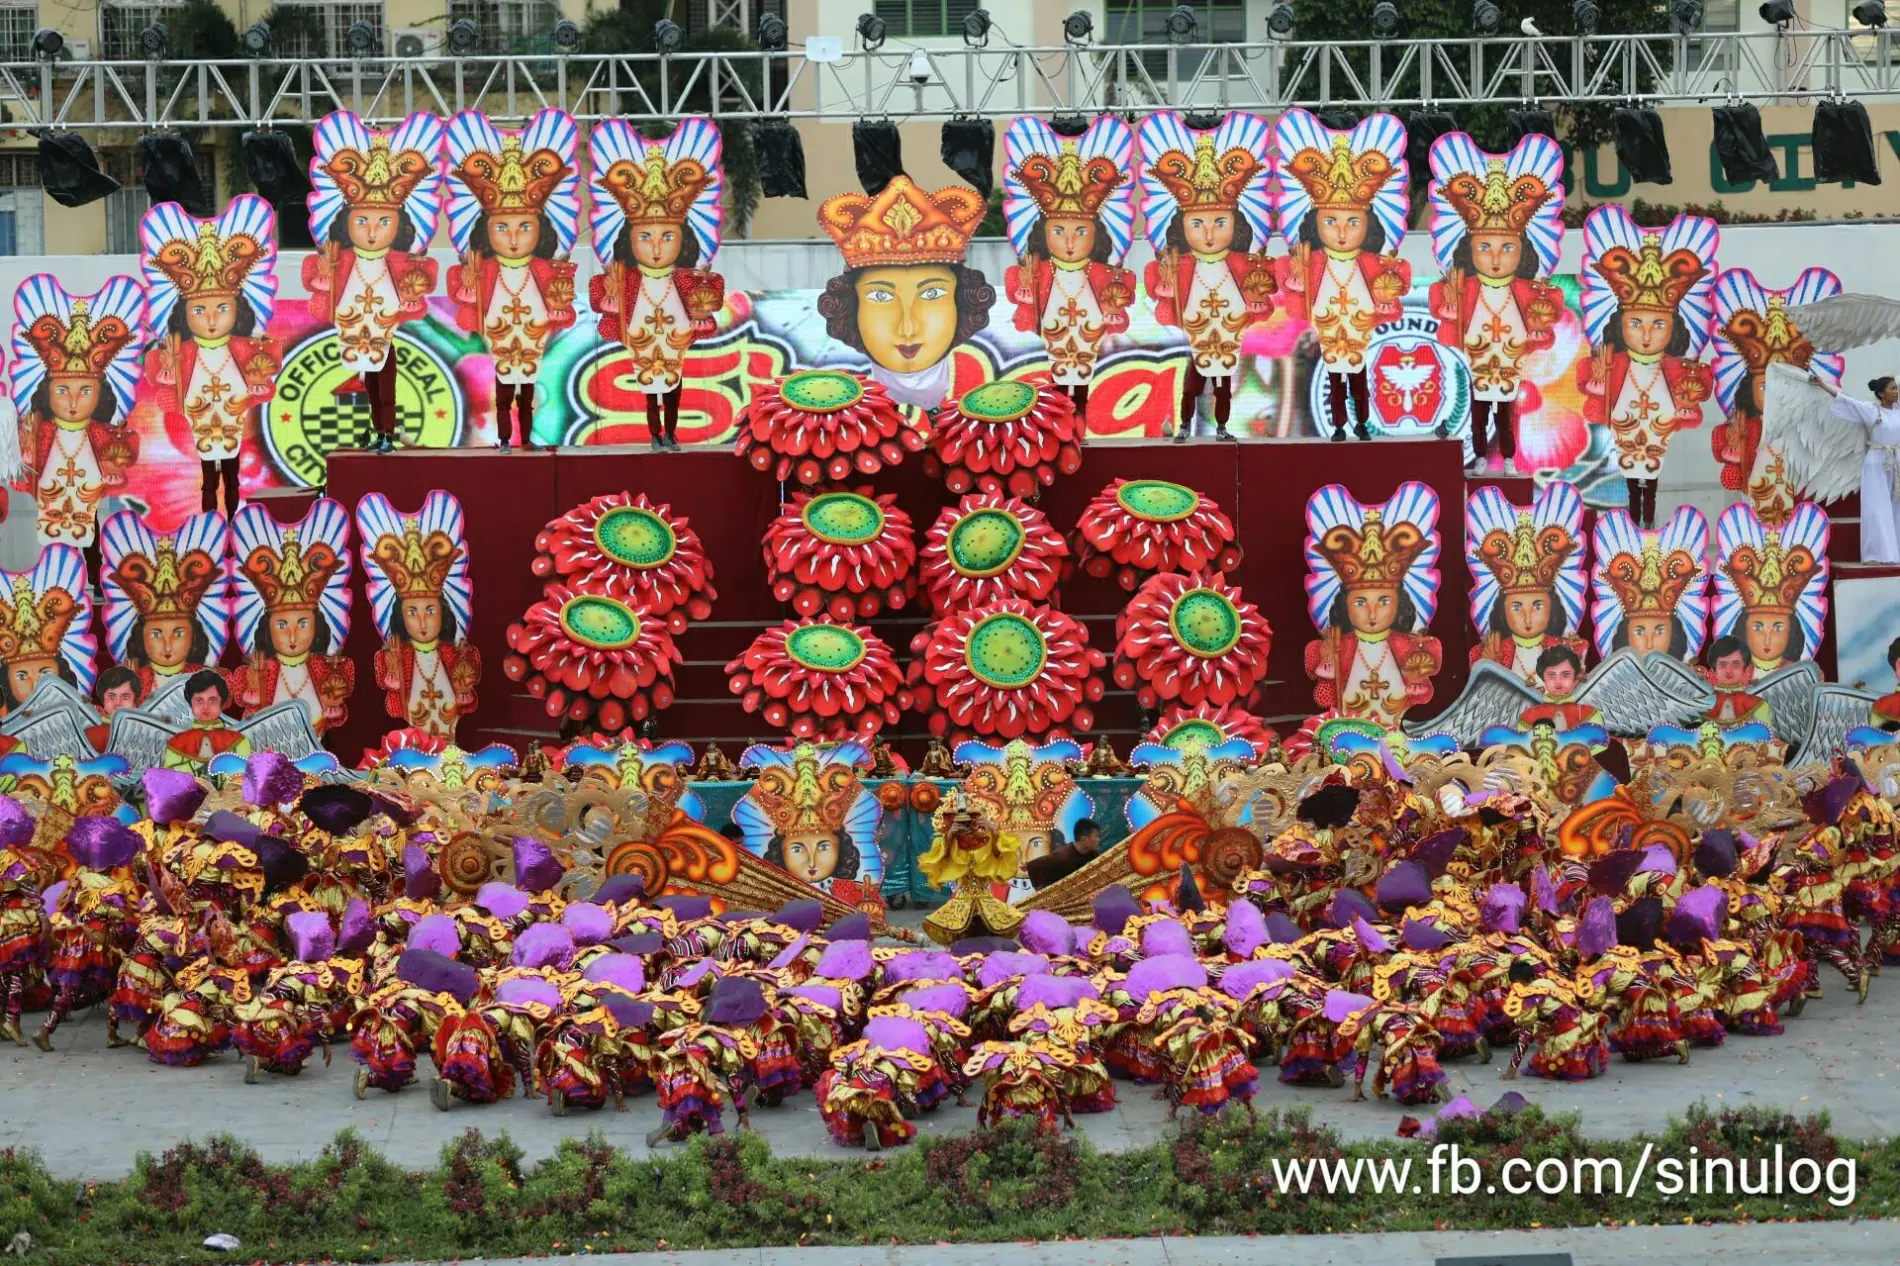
1195 733
825 648
1157 500
1003 401
820 390
1205 623
1006 651
843 518
634 537
602 623
986 542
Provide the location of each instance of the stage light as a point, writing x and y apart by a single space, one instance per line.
1280 22
774 36
1685 16
1337 118
1871 13
1585 15
152 40
1421 129
871 31
976 28
1529 121
1741 146
256 39
781 152
1777 12
969 150
1637 132
667 37
464 37
1078 27
1844 144
270 159
170 171
48 43
567 36
1485 17
1182 26
69 170
1385 20
1071 125
919 69
361 39
878 152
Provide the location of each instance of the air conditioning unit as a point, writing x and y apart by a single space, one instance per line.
418 41
76 51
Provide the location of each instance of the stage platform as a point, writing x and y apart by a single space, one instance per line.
509 495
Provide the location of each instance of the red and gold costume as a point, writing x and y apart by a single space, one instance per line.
1526 561
1211 298
1763 339
292 582
1770 581
1072 305
427 685
516 305
208 386
72 465
32 629
1496 322
369 293
165 586
1377 676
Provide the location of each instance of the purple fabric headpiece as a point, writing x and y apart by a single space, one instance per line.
270 780
630 1013
1436 850
618 889
823 995
1282 930
101 843
1241 979
49 900
972 945
922 965
1597 933
1611 875
1246 929
1541 891
543 945
1698 916
1165 937
1639 925
951 999
336 809
806 914
1045 932
1349 904
1715 854
535 867
438 973
845 960
1405 883
1113 907
228 828
639 944
171 795
1187 893
1373 940
855 926
1055 992
1502 909
436 933
1825 807
587 923
1657 857
895 1033
686 909
281 863
524 989
698 971
997 968
736 1000
312 939
1341 1005
1170 971
503 901
1423 935
419 880
357 930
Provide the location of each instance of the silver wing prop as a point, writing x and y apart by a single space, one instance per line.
284 728
168 704
1820 453
140 737
1833 711
1850 320
1790 693
53 722
1635 693
1493 695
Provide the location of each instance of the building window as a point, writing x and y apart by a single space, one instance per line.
304 29
508 26
22 209
1146 22
120 26
17 24
910 18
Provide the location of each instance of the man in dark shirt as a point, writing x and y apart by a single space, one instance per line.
1065 859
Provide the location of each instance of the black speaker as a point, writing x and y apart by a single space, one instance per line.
270 160
171 172
69 171
969 150
1337 119
1529 121
1070 125
879 152
1844 144
1741 147
1637 132
1422 129
781 152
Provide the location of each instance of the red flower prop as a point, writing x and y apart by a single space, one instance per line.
1009 669
845 553
821 424
1137 527
1210 726
1006 436
1191 640
821 680
592 658
633 550
988 547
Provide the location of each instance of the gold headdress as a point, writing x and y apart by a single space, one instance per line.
654 191
416 565
1770 578
1065 184
1651 280
212 265
1494 203
1022 795
33 625
165 584
1652 585
1527 558
1341 178
380 178
512 181
1202 181
903 225
1770 337
295 578
78 347
1375 557
809 797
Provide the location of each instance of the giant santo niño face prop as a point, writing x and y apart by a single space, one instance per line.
907 315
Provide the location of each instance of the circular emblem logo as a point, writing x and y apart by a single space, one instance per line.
635 537
843 518
825 648
1415 381
985 542
1006 651
1157 500
307 420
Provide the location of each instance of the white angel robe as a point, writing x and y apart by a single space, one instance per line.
1879 476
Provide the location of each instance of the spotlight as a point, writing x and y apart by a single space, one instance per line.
774 37
1335 118
1182 25
1637 132
171 171
152 40
464 37
567 36
1844 144
1741 146
69 170
361 39
48 43
1485 17
781 154
1585 14
879 153
1685 16
1777 12
256 39
976 28
871 31
667 37
1385 20
1079 27
1280 21
1529 121
1871 13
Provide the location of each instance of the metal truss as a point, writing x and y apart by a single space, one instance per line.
992 82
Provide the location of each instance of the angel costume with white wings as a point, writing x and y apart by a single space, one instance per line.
1832 447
